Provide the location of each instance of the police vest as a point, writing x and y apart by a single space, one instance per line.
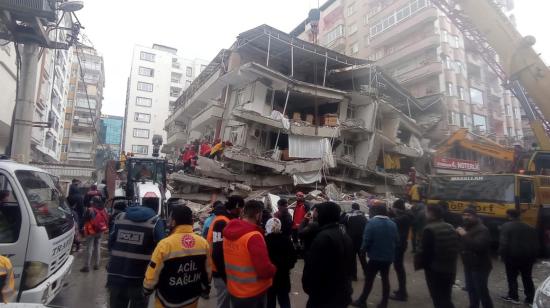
242 279
211 240
133 245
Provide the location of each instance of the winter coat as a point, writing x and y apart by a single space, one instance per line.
380 239
403 220
518 241
419 213
355 222
476 248
299 213
307 231
439 248
328 268
283 256
286 220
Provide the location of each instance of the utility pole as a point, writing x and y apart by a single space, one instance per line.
24 106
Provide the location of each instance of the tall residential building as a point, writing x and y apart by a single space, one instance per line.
157 78
110 133
83 107
422 49
8 75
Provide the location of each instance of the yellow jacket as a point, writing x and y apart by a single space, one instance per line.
178 270
7 282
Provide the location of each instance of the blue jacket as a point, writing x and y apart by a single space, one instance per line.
380 239
207 223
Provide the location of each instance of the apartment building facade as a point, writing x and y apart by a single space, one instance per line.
85 98
418 45
157 78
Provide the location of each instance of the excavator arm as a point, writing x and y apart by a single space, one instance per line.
479 144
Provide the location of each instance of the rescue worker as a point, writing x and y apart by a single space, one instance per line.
248 267
178 270
133 238
217 150
232 210
7 281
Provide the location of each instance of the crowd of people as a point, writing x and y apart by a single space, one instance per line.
247 252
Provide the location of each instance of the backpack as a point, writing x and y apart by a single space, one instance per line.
98 223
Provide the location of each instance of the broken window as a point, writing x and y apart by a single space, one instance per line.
349 149
351 112
480 123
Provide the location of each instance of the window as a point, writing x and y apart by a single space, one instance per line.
463 121
460 92
352 29
67 116
85 103
175 63
142 117
351 9
189 71
348 148
355 48
145 71
510 131
448 63
526 191
144 101
397 16
517 113
140 149
146 56
351 112
145 86
141 133
10 213
203 67
455 42
187 83
450 89
459 67
334 34
445 36
366 40
239 97
176 77
507 109
365 20
451 117
175 91
480 123
476 96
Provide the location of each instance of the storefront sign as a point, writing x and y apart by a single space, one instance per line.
456 164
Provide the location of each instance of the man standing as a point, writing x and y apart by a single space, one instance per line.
476 245
379 241
518 247
129 258
284 216
403 219
355 222
299 213
328 263
437 255
178 270
96 222
247 264
232 210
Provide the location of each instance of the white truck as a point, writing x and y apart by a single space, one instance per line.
36 231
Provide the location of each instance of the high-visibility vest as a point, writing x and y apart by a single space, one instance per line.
210 238
242 279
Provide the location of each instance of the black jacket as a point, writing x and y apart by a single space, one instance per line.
283 256
439 248
328 268
518 240
403 219
355 222
476 248
286 221
307 231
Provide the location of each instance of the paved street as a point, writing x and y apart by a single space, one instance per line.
87 290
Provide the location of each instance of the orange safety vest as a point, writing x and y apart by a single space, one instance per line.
242 280
210 238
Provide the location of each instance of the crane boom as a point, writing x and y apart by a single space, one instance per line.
487 26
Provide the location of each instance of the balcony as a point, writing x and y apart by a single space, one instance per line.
420 71
409 51
82 138
80 155
177 138
208 116
405 28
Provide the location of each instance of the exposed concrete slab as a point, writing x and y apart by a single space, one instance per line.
283 167
349 181
195 180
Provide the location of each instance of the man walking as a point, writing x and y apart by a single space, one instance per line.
379 242
403 219
518 247
284 216
355 222
328 263
96 222
476 245
178 270
132 240
232 210
437 255
247 264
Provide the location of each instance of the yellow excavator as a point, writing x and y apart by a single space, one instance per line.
522 70
476 143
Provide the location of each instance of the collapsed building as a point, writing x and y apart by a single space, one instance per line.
297 114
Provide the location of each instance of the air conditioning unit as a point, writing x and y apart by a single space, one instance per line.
30 8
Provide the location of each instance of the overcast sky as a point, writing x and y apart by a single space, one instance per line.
200 28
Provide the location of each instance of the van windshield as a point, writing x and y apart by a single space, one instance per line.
47 203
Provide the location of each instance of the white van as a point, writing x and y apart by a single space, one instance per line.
36 231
